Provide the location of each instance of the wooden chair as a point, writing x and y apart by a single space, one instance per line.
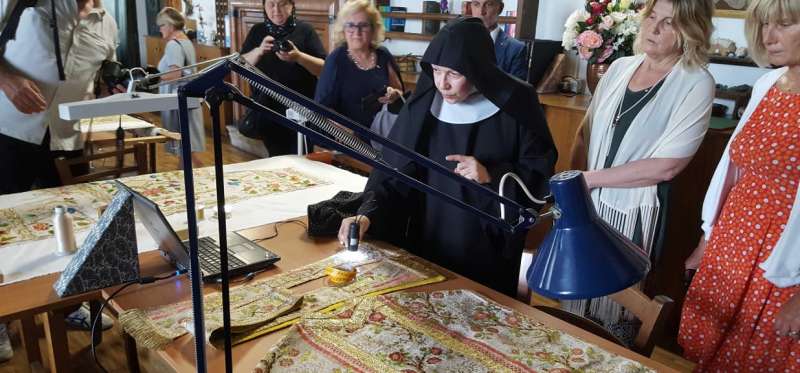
64 166
651 312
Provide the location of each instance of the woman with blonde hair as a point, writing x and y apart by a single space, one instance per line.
178 52
647 118
359 75
742 311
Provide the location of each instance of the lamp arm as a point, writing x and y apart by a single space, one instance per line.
183 78
524 189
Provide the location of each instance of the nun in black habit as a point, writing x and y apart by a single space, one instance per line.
469 116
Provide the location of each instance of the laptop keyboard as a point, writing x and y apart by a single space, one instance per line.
208 251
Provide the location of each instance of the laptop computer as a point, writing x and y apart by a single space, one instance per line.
244 255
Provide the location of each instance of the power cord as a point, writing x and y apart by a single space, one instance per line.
275 229
140 281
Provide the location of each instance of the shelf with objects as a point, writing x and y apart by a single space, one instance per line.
402 35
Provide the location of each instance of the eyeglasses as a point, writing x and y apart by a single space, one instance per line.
357 27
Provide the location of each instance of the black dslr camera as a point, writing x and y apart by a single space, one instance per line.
281 45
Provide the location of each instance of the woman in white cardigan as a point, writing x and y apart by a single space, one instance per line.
742 311
647 118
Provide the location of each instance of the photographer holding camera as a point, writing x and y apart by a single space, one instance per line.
290 52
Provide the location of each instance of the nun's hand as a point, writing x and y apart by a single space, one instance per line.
787 321
344 229
391 95
470 168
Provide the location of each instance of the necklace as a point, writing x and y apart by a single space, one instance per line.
621 112
370 64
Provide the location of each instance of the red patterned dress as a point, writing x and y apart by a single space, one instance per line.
729 312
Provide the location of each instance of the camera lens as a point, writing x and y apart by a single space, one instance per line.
281 45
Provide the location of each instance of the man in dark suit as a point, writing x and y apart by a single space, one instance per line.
510 52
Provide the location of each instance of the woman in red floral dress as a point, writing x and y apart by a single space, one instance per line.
742 311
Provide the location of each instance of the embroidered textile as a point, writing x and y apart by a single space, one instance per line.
380 271
441 331
33 221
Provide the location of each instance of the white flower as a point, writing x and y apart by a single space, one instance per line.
618 17
579 15
571 27
568 39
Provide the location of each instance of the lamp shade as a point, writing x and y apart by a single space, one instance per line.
582 256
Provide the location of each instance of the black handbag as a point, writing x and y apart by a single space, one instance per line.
249 126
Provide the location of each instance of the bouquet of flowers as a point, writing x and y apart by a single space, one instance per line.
603 30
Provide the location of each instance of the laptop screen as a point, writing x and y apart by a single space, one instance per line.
158 227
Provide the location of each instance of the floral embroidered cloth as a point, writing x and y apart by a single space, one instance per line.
33 221
442 331
262 307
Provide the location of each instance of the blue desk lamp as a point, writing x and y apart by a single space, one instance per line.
582 256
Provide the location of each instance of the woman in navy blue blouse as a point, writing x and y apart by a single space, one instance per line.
358 69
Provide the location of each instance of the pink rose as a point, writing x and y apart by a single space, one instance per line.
397 356
585 53
589 39
606 53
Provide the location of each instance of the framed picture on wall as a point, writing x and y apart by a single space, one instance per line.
731 8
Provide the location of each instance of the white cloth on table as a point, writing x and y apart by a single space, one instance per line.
24 260
110 124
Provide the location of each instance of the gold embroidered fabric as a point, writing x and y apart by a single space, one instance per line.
32 220
380 271
442 331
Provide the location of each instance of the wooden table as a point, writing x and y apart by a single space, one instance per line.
25 299
297 249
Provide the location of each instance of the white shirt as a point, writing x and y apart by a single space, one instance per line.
494 33
84 43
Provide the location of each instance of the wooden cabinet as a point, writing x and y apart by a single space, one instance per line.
155 50
564 115
247 13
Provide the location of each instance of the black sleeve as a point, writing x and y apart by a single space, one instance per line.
254 38
327 92
314 43
536 155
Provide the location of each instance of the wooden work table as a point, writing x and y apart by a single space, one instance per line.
297 249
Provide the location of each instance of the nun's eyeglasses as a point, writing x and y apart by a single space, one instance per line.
357 27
